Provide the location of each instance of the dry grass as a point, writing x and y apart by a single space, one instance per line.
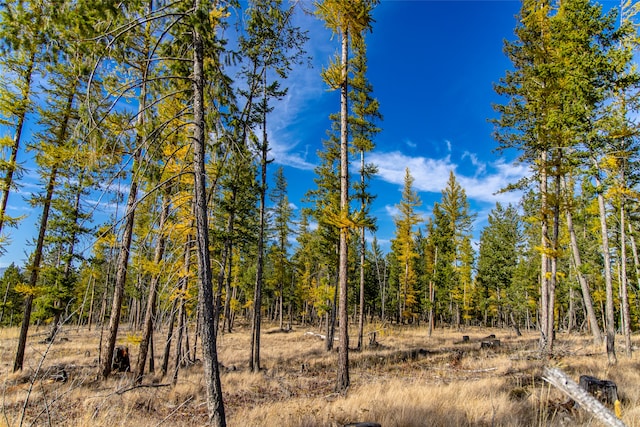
408 380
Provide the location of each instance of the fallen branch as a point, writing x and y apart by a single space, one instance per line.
478 371
559 379
133 387
189 399
313 334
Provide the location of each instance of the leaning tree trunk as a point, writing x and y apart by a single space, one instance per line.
147 331
208 310
182 288
35 268
584 286
121 272
7 180
634 251
75 216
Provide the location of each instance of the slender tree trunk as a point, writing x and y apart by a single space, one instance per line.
624 296
167 347
584 286
181 333
432 293
208 310
254 363
362 260
634 251
609 310
544 264
152 364
147 331
7 181
68 258
121 272
35 269
343 381
554 266
331 320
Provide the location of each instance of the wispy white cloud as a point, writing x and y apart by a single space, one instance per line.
487 186
431 175
391 210
289 155
481 167
304 88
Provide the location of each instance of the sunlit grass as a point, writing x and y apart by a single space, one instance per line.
409 379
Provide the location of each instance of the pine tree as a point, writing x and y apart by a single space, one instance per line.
10 282
272 45
348 19
561 73
282 215
363 130
404 248
498 259
455 204
23 39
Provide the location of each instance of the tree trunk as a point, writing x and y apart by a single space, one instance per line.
147 331
182 289
343 382
553 279
634 251
178 354
121 272
35 269
544 264
331 320
584 286
167 347
624 297
254 362
7 181
208 310
609 310
362 260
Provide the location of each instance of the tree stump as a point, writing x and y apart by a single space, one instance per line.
121 360
493 344
372 339
604 390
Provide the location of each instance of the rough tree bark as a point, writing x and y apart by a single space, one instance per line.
343 382
208 310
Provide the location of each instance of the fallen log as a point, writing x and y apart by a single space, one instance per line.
365 424
559 379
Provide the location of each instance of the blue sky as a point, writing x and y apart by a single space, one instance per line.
432 65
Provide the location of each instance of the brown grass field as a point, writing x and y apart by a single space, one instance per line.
409 379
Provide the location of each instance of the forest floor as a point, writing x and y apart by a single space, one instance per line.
408 379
